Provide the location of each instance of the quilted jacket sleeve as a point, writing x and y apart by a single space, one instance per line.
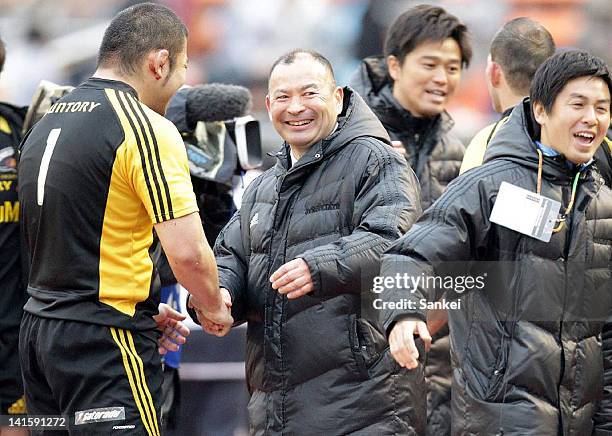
232 269
231 257
387 203
454 229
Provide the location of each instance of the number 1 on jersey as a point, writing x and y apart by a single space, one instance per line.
44 164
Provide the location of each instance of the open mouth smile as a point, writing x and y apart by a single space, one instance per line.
436 92
585 138
301 123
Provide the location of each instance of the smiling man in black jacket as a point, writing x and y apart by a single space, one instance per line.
526 349
297 259
409 89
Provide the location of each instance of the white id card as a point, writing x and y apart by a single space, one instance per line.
525 212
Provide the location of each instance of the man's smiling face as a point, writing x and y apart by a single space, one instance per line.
578 120
303 101
427 78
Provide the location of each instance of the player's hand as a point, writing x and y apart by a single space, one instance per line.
217 322
401 341
293 279
174 332
399 147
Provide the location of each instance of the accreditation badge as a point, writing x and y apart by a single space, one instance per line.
525 211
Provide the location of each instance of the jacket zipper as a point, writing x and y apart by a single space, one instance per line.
569 222
270 264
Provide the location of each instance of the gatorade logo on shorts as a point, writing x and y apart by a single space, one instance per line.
99 415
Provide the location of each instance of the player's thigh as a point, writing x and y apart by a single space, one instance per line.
39 397
109 378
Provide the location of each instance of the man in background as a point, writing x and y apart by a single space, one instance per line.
12 289
409 90
517 50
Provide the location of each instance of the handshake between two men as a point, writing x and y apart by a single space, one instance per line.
293 278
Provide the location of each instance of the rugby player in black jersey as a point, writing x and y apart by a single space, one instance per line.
98 173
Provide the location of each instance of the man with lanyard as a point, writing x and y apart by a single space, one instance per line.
526 347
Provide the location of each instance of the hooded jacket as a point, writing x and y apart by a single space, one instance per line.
315 365
432 152
526 348
435 156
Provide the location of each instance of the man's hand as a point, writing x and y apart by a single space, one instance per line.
174 332
399 147
401 341
293 279
218 322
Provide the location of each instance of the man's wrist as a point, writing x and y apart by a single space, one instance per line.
412 316
315 275
191 311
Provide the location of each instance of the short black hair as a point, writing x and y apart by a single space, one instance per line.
2 55
425 23
289 58
520 47
137 30
558 70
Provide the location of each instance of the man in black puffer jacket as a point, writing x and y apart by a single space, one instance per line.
408 89
298 258
526 349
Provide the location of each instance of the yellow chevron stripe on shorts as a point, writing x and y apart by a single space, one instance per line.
136 380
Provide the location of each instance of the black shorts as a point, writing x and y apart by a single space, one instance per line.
105 380
11 386
171 388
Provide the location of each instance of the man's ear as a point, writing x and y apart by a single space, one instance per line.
159 63
268 106
494 72
394 67
539 113
339 97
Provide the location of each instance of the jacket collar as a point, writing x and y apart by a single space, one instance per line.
516 141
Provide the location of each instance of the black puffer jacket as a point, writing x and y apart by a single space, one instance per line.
433 153
526 349
435 156
314 365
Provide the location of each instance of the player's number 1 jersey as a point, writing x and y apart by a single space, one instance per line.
96 173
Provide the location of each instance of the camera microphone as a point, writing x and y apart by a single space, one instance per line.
216 102
216 129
